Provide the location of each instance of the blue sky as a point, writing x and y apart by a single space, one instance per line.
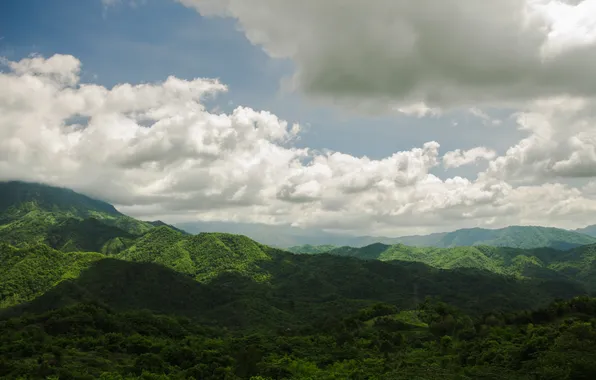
475 64
148 42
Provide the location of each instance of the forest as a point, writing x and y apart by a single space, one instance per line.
87 292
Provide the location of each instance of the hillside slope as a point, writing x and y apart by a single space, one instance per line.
271 288
578 264
32 213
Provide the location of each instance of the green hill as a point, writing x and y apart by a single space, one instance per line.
18 198
152 302
526 237
36 213
203 256
316 316
578 264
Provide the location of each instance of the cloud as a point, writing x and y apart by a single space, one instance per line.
457 158
155 151
443 54
560 143
486 119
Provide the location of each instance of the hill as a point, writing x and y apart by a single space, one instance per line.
203 256
578 264
526 237
273 282
315 315
18 198
155 302
36 213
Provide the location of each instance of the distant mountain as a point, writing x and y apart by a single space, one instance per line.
526 237
578 264
292 237
311 249
588 230
285 236
159 223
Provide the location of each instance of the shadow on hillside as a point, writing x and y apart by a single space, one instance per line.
301 289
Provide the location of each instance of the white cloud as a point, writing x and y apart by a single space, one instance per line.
457 158
155 151
486 119
440 53
561 142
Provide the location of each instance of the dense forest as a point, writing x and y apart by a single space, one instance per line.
86 292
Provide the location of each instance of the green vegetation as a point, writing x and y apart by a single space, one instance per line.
204 256
30 272
311 249
578 264
33 213
86 292
90 341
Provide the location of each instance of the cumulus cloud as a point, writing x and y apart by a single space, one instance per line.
441 53
560 143
457 158
156 152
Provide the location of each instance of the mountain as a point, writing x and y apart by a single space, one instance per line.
588 230
18 198
292 238
526 237
284 236
270 281
203 256
311 249
63 219
153 302
159 223
577 264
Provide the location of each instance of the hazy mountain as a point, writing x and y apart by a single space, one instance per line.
588 230
292 237
513 236
284 236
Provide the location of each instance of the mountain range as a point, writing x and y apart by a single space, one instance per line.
87 292
292 238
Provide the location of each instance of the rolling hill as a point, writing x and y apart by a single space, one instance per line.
577 264
152 302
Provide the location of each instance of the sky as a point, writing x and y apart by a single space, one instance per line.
378 117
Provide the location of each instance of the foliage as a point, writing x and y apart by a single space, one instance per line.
578 264
35 213
158 303
92 341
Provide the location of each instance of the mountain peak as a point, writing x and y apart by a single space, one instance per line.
18 196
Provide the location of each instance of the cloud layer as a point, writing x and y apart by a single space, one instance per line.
156 152
445 53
